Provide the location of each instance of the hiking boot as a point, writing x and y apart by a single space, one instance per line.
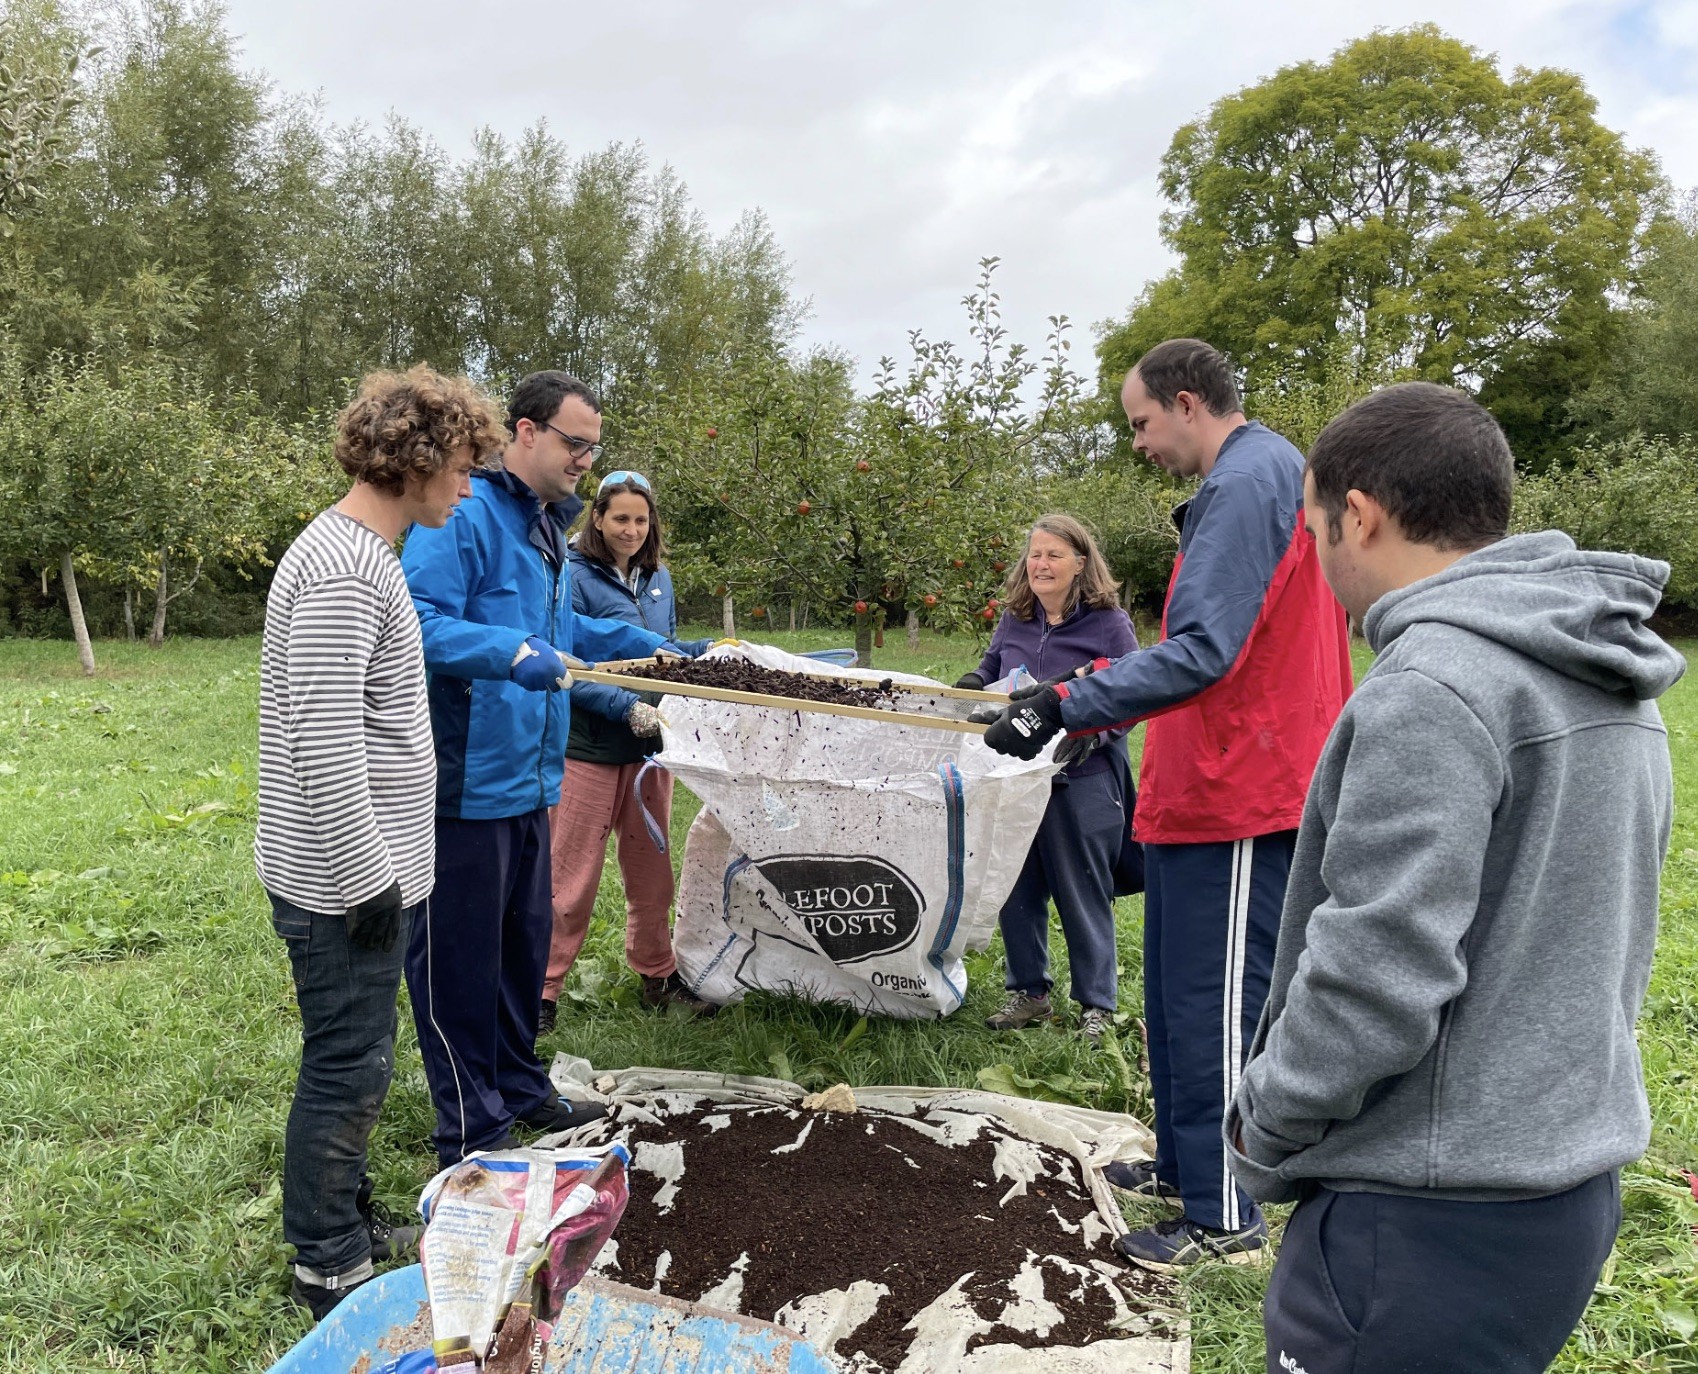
560 1114
391 1238
1139 1180
1094 1022
1169 1246
1020 1011
546 1018
673 991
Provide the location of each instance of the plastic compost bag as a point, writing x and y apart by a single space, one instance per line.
507 1234
839 858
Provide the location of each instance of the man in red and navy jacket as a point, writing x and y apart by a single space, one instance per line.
1239 695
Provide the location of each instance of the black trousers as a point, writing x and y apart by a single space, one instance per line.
1371 1283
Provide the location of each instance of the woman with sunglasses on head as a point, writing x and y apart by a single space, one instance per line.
617 574
1062 613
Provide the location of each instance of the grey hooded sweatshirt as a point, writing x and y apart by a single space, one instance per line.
1472 904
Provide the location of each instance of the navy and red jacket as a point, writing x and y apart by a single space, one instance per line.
1253 665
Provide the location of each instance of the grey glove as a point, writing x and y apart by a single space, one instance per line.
375 923
984 715
1076 748
643 719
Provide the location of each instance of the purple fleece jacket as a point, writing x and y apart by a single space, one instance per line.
1049 650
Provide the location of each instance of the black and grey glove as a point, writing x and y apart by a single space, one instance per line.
971 681
1023 729
375 923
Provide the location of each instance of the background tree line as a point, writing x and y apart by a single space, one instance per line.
194 266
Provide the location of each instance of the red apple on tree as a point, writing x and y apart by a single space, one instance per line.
802 508
712 432
929 599
863 466
860 608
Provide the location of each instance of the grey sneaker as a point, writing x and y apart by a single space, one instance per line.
1093 1022
1139 1180
1169 1246
1020 1011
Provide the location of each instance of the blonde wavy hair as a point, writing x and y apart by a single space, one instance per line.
409 424
1093 586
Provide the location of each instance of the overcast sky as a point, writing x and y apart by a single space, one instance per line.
894 144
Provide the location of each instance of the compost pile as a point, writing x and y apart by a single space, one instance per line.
850 1226
739 676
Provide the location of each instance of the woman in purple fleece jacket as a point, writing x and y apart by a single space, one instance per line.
1062 611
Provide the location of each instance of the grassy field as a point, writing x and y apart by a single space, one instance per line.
148 1039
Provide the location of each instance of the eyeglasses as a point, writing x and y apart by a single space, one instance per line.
636 479
574 445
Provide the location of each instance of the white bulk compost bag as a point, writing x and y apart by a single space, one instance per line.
838 858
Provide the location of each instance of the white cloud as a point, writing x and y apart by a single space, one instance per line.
894 145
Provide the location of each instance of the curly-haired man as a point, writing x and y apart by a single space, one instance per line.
347 790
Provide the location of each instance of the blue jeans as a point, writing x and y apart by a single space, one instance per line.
347 1001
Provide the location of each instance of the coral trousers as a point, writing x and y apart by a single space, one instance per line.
598 800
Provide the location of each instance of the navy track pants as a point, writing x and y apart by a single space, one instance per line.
475 967
1372 1283
1211 916
1072 860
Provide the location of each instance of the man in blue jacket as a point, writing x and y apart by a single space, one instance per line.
495 613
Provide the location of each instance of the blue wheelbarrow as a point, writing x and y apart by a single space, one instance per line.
383 1327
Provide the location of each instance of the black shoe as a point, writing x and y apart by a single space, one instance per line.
319 1298
673 991
546 1018
560 1114
1140 1180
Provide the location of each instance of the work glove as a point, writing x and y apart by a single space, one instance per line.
971 681
694 648
643 719
1031 689
1076 748
540 667
1027 725
671 653
375 923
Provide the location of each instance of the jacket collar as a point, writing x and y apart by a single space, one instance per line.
548 523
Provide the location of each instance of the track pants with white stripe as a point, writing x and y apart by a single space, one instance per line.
1211 915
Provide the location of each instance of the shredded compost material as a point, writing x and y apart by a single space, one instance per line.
738 676
778 1214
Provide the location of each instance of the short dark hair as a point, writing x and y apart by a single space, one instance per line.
593 546
1433 456
1190 365
539 396
410 424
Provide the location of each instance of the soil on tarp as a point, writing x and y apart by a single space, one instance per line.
800 1203
737 675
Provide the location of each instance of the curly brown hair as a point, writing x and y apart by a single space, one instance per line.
410 424
1095 587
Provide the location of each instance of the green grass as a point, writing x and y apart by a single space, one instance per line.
148 1038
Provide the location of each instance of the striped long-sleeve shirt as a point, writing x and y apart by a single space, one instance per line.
347 772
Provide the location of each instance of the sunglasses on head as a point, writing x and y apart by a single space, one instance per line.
636 479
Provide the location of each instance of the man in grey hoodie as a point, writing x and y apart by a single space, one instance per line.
1445 1076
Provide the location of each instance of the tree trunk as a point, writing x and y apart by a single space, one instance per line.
129 613
913 629
792 615
79 626
863 641
728 616
156 636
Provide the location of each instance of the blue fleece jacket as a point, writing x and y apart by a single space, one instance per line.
490 578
